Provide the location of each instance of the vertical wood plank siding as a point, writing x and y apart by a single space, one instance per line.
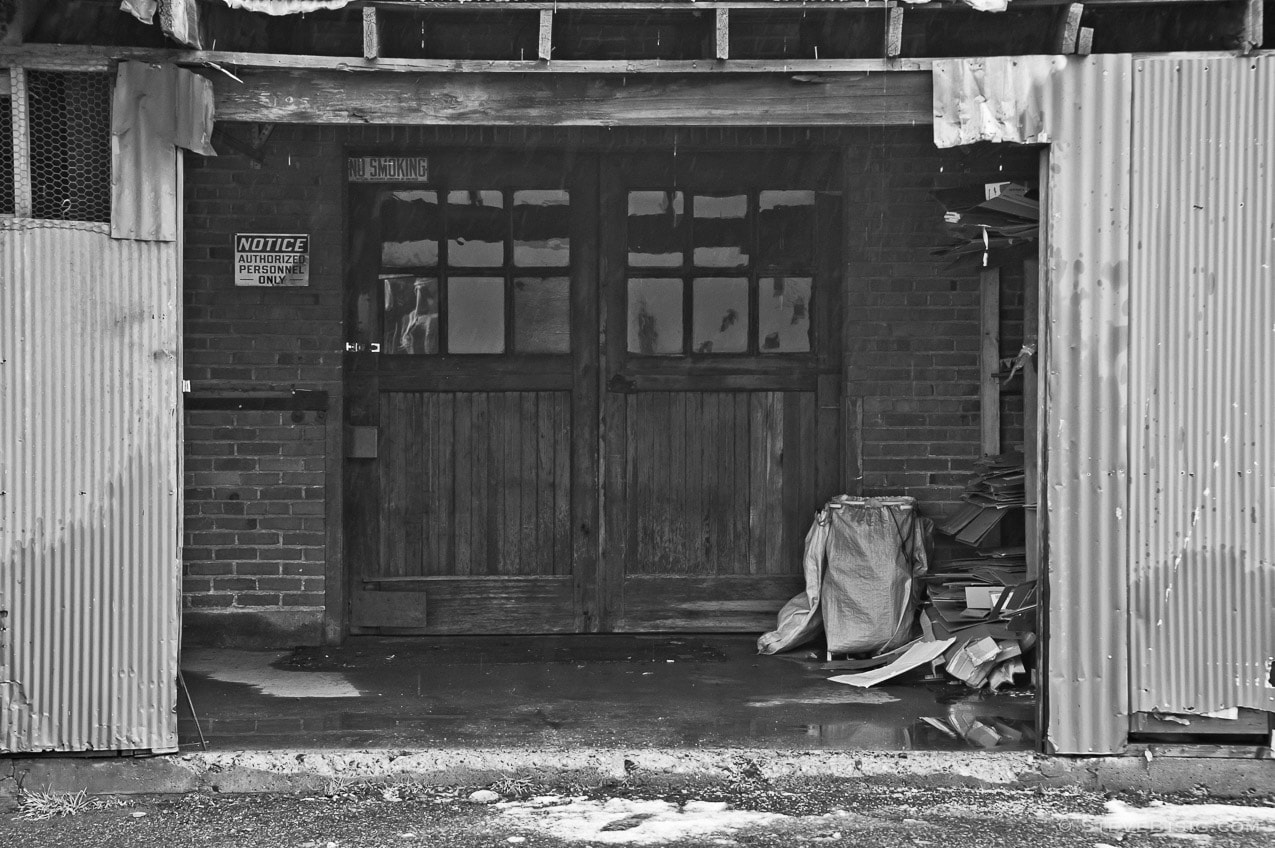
475 483
695 512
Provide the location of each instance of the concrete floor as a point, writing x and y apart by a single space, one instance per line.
525 692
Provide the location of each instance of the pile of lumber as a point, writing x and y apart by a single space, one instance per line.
988 218
996 492
985 602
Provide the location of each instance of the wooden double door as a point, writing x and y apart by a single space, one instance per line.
590 392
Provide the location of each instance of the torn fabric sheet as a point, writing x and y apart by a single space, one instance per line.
997 98
286 7
155 110
180 21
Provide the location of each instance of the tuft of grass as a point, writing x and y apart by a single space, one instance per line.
517 788
38 806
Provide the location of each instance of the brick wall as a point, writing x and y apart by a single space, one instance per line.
913 321
256 491
254 509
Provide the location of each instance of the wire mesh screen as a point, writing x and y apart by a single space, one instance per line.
69 118
6 156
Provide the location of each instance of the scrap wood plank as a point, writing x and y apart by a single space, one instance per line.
989 360
371 34
544 48
721 35
894 32
1067 31
1254 25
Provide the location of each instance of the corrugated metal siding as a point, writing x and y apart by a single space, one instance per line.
1202 579
89 489
1085 328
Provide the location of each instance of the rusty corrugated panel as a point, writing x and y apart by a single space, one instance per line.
89 489
1202 400
1084 471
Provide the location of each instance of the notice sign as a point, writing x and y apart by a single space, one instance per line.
388 169
272 259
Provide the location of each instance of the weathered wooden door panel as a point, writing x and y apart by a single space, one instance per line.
475 514
720 487
722 412
718 483
475 484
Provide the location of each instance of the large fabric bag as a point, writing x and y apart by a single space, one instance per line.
861 563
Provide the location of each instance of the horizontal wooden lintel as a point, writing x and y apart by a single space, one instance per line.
776 6
621 6
318 97
61 56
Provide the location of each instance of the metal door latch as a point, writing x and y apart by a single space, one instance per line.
359 347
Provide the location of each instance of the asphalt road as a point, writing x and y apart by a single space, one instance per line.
745 811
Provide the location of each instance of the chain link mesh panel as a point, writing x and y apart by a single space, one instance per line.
69 116
6 154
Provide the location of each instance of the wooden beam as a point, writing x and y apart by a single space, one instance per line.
894 32
1031 414
1254 24
989 395
544 45
329 97
628 5
371 34
74 57
1067 30
721 35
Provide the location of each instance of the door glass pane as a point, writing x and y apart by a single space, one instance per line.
783 314
411 226
411 315
542 315
476 229
720 315
475 315
786 224
655 316
542 220
721 231
655 224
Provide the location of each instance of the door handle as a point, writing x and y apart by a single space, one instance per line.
621 383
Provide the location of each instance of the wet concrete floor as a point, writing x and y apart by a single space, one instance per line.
547 691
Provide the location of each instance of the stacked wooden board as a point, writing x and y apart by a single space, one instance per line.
985 602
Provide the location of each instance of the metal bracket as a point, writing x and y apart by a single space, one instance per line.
359 347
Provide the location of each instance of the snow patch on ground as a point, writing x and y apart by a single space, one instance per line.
1175 819
631 822
257 669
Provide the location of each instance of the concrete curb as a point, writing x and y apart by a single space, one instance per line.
312 770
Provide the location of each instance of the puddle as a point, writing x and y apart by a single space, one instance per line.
258 670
